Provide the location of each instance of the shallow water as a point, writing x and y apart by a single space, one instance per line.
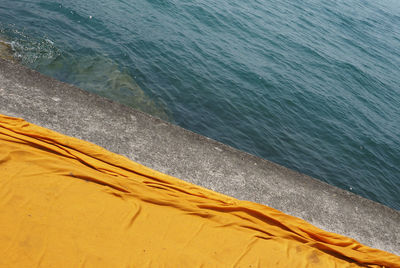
311 85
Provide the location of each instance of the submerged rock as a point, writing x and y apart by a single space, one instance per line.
6 51
102 75
93 72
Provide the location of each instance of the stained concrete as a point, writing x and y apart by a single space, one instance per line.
194 158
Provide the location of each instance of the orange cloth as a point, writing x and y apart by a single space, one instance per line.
65 202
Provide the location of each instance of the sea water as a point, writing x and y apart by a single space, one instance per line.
313 85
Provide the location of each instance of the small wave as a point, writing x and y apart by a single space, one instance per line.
25 48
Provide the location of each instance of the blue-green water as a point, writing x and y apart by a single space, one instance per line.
313 85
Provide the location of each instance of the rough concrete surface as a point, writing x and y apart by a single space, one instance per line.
194 158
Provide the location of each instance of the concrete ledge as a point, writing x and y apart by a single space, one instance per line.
194 158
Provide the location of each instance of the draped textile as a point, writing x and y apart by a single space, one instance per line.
65 202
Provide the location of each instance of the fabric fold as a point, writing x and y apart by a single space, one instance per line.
66 202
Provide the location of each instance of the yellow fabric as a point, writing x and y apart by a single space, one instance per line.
65 202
